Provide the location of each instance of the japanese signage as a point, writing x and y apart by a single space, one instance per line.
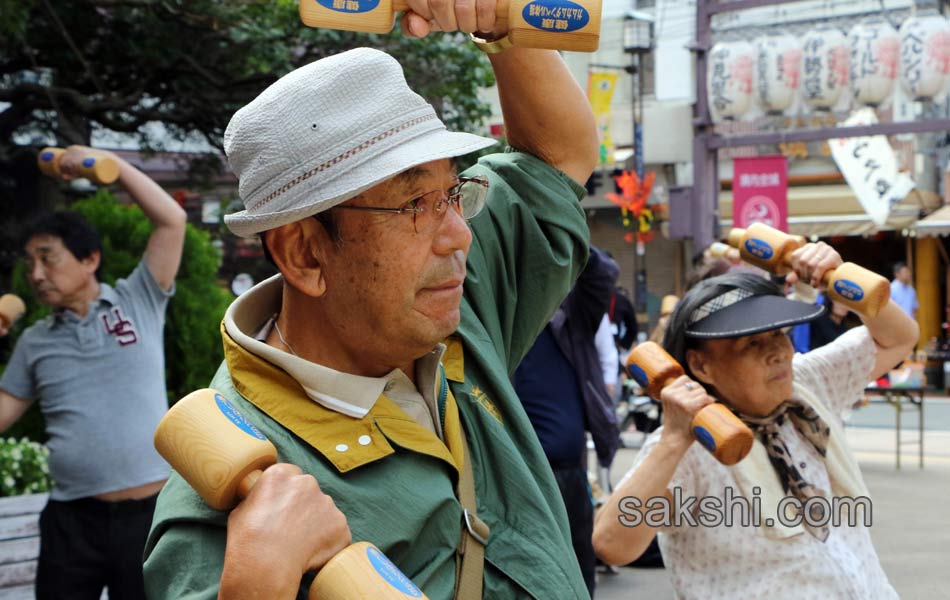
778 70
349 6
600 91
825 55
925 55
875 47
555 15
760 191
730 76
870 168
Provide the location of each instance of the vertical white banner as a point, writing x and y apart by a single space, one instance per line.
869 165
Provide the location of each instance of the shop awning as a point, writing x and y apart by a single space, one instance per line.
935 224
830 210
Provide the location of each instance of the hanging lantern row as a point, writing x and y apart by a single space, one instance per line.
775 69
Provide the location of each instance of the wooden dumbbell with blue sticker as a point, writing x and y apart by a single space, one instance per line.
555 24
861 290
222 455
97 167
714 426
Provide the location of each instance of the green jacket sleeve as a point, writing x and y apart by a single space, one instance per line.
184 555
529 245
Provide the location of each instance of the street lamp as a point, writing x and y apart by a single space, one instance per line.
637 41
637 32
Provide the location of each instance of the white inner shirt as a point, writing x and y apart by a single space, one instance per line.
249 321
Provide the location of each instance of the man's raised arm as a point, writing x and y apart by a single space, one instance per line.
163 252
546 112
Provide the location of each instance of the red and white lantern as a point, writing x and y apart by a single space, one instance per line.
729 80
925 55
825 57
777 71
875 49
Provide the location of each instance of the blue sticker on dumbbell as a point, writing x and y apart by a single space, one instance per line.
47 156
349 6
228 410
391 573
88 162
848 290
705 438
555 15
639 375
759 248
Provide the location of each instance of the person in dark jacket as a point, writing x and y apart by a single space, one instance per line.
561 385
623 316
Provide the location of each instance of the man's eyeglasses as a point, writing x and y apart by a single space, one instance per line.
467 197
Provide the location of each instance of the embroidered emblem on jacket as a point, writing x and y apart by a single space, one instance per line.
485 402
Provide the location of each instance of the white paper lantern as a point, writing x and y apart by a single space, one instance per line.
825 56
729 79
875 47
778 64
925 55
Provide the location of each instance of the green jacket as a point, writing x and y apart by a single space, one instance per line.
398 492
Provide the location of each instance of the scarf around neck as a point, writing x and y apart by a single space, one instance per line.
811 426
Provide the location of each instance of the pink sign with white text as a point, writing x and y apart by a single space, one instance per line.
760 191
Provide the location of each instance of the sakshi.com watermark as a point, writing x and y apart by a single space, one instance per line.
734 509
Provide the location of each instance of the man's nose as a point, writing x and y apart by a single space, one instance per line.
452 234
36 272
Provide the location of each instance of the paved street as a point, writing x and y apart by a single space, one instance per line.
911 530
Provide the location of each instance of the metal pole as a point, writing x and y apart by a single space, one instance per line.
825 133
634 74
705 159
641 273
638 118
734 5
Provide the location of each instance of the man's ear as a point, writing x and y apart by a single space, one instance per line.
301 251
91 262
698 365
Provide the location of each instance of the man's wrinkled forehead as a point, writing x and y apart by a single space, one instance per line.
411 177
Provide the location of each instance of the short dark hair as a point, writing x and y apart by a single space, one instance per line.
675 341
79 237
898 266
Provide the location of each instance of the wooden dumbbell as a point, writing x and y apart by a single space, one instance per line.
715 427
95 166
11 309
554 24
720 250
862 291
800 290
222 455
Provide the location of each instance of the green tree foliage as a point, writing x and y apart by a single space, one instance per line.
193 348
69 66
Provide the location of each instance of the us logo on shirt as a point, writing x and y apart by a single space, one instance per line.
121 328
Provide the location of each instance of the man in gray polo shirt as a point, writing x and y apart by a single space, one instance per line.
96 365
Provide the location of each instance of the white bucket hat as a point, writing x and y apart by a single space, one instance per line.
328 131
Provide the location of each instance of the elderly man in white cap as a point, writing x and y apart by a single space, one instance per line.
379 359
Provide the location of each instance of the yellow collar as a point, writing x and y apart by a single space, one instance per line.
347 442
